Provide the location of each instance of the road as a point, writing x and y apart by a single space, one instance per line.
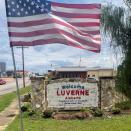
10 87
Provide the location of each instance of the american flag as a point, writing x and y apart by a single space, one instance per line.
40 22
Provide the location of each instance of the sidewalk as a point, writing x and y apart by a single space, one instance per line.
8 115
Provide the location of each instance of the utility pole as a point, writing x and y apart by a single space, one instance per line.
23 64
80 60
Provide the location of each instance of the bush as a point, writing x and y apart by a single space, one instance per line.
31 113
24 108
72 79
97 112
85 110
126 105
47 114
116 111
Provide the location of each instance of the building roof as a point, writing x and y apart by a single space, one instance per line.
71 69
95 69
80 68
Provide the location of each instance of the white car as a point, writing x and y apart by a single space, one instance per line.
92 79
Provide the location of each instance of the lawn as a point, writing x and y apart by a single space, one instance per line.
118 123
6 99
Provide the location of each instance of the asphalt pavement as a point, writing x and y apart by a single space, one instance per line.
10 87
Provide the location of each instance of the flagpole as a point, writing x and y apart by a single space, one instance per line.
18 93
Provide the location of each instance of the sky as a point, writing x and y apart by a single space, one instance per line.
42 58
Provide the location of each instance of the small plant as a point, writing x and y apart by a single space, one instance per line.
24 108
72 80
31 112
47 114
126 105
97 112
116 111
85 110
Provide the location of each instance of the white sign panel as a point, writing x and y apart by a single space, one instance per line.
72 95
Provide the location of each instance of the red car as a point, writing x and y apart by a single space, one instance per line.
2 82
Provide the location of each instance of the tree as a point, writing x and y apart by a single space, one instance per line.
128 3
116 23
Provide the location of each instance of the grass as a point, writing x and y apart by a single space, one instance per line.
6 99
119 123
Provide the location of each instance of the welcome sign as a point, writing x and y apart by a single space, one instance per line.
72 95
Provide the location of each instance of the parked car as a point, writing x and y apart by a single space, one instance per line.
18 76
2 82
92 79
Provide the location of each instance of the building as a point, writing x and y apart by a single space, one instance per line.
81 72
20 73
101 72
71 72
2 69
10 73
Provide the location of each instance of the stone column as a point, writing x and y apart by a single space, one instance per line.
38 93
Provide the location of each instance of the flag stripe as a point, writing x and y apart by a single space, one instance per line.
40 32
48 21
86 24
57 24
75 10
69 42
78 15
77 6
51 30
28 34
82 40
32 28
51 41
44 17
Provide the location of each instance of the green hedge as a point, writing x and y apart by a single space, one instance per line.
126 105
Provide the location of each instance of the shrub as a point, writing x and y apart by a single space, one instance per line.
85 110
47 114
31 113
97 112
126 105
24 108
116 111
72 79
